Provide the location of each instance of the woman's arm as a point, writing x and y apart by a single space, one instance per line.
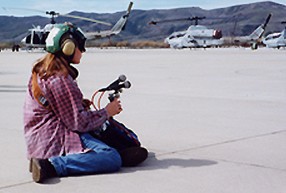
65 99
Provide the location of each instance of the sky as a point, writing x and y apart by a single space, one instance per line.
38 7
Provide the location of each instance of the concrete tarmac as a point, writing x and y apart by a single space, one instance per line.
213 120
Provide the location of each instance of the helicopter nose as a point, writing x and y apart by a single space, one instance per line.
23 40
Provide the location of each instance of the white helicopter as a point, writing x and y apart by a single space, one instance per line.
276 40
255 36
116 29
196 36
36 36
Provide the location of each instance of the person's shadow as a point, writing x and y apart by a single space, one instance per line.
152 163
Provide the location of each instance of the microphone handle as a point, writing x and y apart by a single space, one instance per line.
112 96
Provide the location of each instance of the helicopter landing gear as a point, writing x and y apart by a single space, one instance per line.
254 46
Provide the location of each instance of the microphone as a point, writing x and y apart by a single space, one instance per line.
118 89
126 84
114 84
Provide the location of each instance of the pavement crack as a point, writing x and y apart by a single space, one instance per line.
227 142
252 165
15 185
222 142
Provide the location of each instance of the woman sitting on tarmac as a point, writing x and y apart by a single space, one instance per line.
57 124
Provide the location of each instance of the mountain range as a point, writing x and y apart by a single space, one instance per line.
236 20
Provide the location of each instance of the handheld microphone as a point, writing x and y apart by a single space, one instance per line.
114 84
118 90
126 84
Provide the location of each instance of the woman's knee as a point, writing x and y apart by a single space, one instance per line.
113 160
105 161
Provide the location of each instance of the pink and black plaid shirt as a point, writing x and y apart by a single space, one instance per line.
55 131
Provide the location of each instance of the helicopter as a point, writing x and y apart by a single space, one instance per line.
37 36
196 36
276 40
116 29
255 36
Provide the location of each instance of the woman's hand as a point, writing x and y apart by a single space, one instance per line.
114 107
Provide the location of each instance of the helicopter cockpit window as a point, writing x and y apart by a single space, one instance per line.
44 37
36 38
274 36
180 35
193 41
28 39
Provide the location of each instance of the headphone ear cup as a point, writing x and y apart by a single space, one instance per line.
68 47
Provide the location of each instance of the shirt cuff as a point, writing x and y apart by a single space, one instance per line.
107 115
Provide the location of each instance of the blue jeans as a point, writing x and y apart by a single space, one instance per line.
102 159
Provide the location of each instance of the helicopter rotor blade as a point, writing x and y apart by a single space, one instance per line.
86 19
178 19
168 20
56 14
23 9
129 7
267 21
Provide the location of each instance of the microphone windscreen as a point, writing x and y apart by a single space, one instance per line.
127 84
122 78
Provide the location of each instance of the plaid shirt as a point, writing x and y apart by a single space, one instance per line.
55 130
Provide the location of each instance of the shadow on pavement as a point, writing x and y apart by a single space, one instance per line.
152 163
